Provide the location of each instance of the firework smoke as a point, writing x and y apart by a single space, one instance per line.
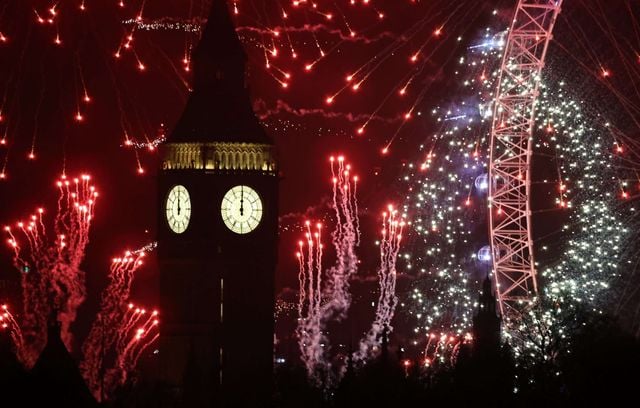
325 296
387 300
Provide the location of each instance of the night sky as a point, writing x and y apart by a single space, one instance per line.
42 90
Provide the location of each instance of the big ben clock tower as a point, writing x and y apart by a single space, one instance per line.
217 234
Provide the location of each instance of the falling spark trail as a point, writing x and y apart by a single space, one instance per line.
104 331
130 346
325 296
328 301
387 300
8 322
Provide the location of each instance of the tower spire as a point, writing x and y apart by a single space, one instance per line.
219 49
219 108
486 323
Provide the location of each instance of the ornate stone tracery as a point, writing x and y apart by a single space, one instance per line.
219 157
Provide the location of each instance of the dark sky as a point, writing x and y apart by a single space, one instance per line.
41 87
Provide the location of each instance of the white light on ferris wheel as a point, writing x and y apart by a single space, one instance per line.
482 182
484 254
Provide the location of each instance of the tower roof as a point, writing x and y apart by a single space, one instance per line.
219 107
58 373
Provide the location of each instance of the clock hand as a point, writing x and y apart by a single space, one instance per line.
241 201
178 202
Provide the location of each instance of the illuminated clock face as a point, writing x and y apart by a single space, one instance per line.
178 209
241 209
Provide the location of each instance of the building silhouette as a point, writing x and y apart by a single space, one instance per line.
483 374
54 380
56 375
217 234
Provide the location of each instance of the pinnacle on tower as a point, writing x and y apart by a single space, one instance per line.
488 298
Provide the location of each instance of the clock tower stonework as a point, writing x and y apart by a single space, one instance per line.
217 234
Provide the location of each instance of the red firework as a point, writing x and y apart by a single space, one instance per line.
49 263
106 329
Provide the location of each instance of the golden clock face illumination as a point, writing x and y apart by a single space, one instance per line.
241 209
178 209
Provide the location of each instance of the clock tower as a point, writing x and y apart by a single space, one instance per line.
217 234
